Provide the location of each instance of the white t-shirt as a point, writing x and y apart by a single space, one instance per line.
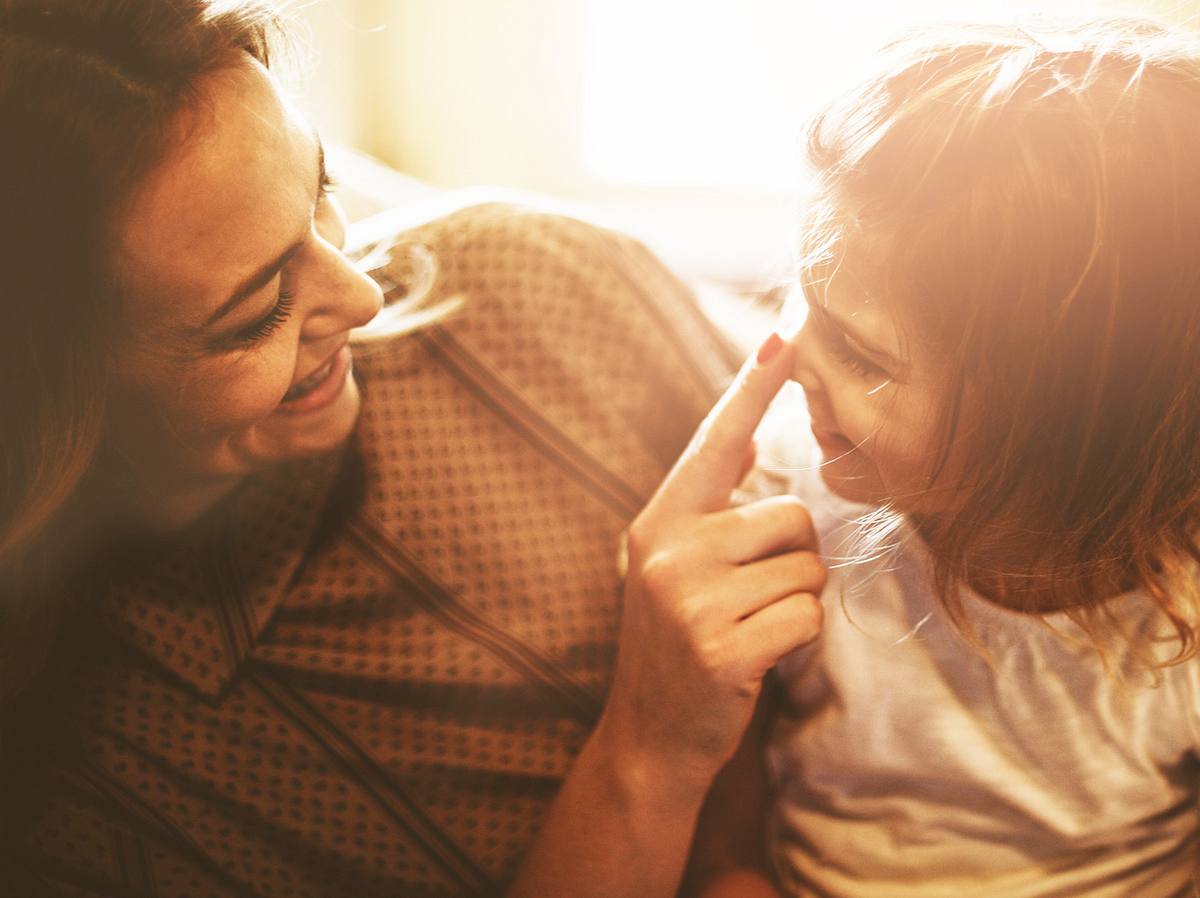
906 765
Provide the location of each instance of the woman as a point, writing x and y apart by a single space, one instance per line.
274 627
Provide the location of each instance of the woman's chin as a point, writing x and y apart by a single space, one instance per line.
323 430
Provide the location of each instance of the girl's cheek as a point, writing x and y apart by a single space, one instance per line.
855 416
903 449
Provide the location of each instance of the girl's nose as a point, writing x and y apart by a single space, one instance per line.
803 372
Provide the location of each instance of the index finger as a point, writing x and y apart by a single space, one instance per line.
711 466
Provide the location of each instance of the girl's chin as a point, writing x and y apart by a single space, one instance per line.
845 487
848 477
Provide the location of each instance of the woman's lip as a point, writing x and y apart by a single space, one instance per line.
328 390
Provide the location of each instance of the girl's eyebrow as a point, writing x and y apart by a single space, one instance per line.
861 343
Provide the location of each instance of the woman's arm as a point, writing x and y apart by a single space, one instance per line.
619 827
714 596
728 858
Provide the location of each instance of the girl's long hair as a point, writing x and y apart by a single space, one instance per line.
1034 202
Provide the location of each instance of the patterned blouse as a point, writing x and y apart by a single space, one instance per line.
367 674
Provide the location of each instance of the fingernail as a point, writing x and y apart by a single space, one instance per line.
769 349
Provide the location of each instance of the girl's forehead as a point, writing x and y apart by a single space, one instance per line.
855 278
867 308
859 284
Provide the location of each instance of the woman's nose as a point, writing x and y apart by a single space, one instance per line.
347 297
364 297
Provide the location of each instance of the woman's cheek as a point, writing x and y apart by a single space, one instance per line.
244 392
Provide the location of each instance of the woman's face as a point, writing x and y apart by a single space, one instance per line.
872 397
234 353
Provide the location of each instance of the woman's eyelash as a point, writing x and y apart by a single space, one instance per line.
282 310
262 329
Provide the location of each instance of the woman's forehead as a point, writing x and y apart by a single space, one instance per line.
230 195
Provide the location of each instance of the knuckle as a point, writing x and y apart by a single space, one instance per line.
711 658
809 615
639 536
794 514
811 572
692 611
661 572
710 447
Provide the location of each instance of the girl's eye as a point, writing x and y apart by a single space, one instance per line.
853 361
263 328
849 357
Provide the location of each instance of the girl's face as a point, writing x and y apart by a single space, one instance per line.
234 353
872 397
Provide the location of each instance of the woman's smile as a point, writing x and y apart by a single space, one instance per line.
320 388
238 356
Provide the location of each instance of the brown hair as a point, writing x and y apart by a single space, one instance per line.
88 92
1035 202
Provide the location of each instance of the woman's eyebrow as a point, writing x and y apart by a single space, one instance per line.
264 275
253 284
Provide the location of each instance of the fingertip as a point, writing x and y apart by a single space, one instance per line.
769 349
776 354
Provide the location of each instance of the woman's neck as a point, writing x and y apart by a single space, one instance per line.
167 512
142 503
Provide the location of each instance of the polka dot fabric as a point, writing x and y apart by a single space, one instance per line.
367 674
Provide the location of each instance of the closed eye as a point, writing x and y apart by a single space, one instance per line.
835 341
268 324
853 361
284 301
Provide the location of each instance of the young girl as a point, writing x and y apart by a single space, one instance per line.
999 363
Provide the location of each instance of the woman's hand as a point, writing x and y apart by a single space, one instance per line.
714 595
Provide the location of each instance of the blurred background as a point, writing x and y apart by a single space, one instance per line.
678 121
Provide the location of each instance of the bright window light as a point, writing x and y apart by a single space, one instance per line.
714 93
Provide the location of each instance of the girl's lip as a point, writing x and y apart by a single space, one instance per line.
327 391
831 440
